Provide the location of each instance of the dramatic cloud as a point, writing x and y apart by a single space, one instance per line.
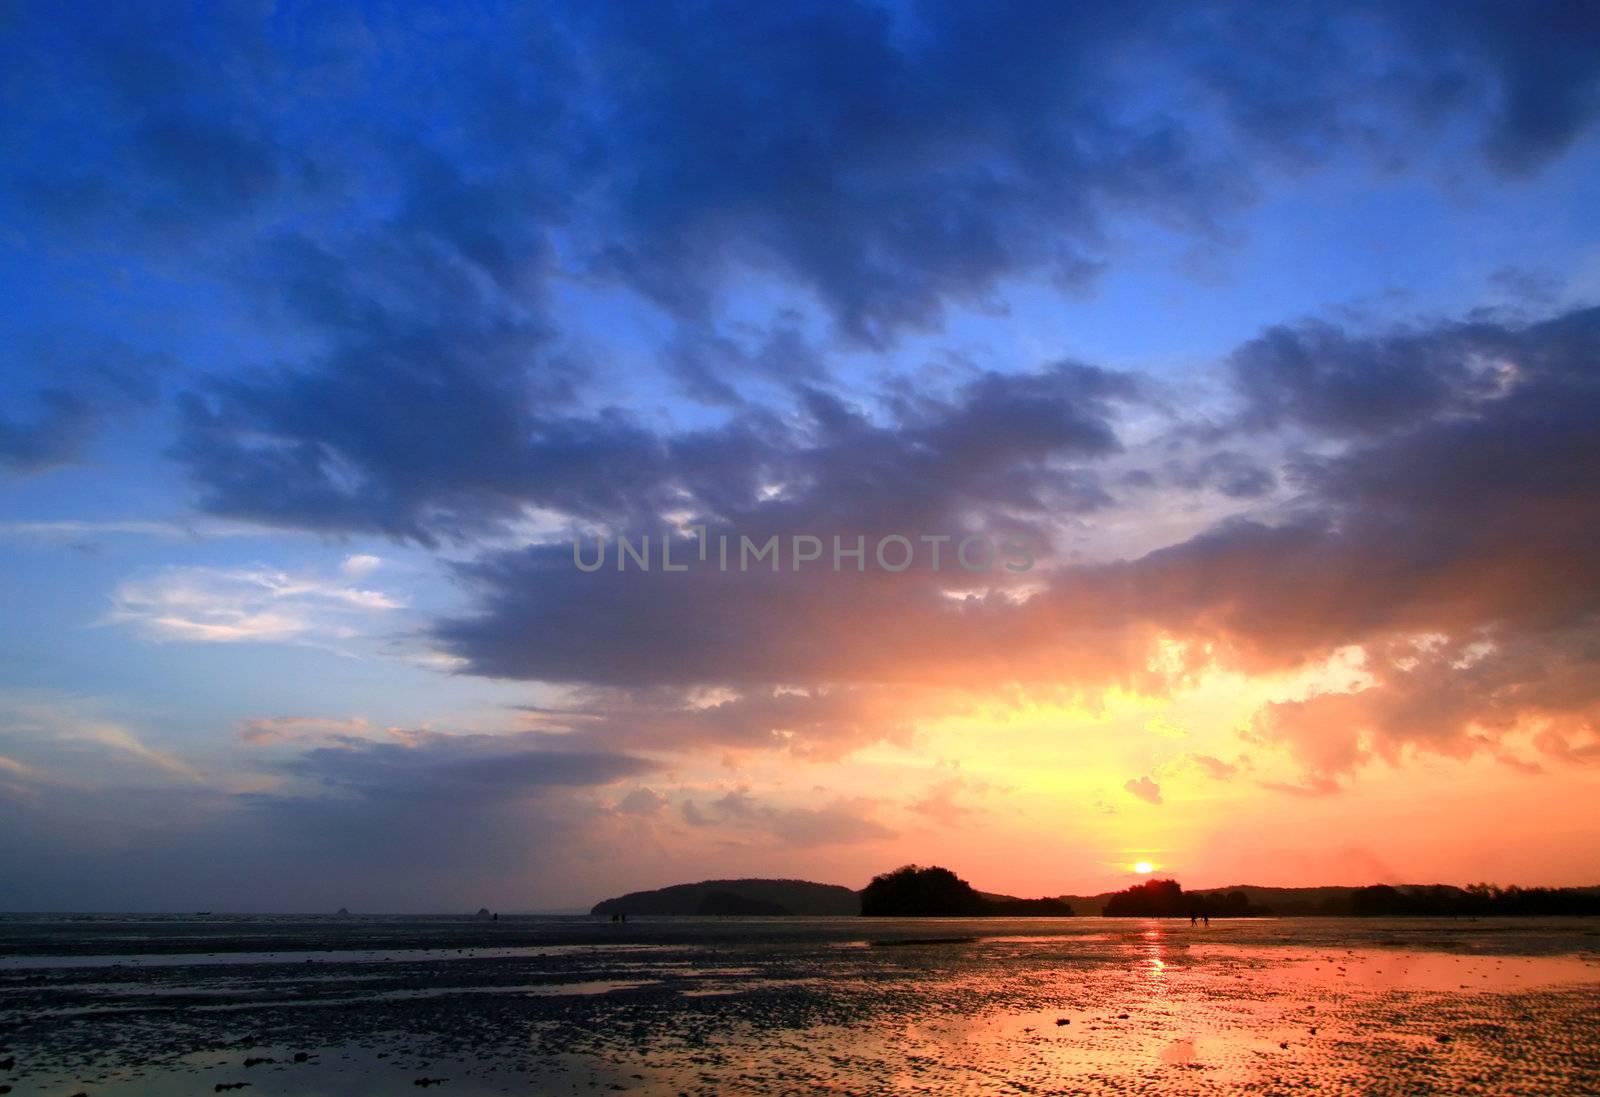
1444 549
880 164
1459 525
933 151
440 287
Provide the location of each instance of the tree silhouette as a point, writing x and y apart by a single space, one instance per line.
913 891
1152 899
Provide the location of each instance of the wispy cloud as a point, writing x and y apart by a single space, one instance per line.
117 738
260 604
198 529
300 729
47 740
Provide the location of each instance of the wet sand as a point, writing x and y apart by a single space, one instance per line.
760 1006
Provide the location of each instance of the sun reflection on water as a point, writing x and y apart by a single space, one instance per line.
1153 949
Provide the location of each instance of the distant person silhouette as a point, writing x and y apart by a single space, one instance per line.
1193 919
1207 918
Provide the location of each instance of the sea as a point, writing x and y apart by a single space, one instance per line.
351 1006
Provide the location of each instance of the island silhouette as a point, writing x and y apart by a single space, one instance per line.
915 891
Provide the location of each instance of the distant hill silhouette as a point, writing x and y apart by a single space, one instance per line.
802 897
738 897
1247 900
1483 899
913 891
931 892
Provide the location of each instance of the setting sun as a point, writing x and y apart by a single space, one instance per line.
1143 867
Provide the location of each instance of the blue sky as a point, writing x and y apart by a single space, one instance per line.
325 329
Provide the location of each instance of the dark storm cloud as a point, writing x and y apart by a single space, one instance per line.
406 446
85 384
1008 450
708 363
433 766
150 129
1236 475
1021 444
395 187
894 162
438 405
1308 80
403 266
1542 61
887 169
1323 378
702 626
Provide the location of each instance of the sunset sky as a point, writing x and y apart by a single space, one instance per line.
1274 332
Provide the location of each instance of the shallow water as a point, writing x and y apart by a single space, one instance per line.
762 1006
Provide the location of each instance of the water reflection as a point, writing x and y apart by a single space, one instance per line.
1095 1006
1153 948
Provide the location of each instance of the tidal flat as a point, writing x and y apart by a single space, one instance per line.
130 1006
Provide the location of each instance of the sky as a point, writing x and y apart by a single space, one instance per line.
1260 344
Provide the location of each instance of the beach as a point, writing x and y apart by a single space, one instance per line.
332 1007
